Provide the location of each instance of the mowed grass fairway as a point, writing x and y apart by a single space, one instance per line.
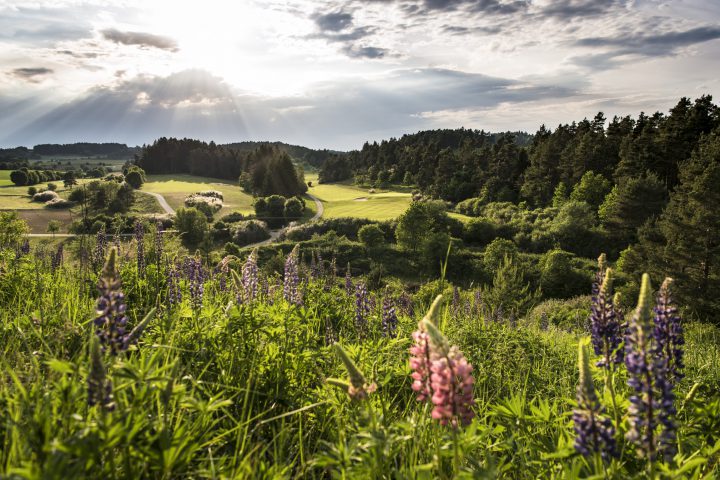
175 187
13 197
342 200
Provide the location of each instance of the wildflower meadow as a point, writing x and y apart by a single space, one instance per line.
128 360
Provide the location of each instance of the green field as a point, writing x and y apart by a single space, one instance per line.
176 187
13 197
343 200
61 162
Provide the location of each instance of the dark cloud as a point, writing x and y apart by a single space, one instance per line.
337 27
140 38
31 74
365 52
459 30
334 22
628 47
570 9
74 54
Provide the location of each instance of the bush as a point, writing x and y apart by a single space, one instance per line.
212 193
209 205
52 187
32 191
371 235
250 231
293 209
45 196
479 231
570 315
233 217
496 252
192 224
59 203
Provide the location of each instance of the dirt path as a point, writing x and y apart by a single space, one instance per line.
163 203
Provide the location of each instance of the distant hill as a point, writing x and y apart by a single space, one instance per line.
86 149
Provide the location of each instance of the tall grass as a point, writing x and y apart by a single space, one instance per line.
233 390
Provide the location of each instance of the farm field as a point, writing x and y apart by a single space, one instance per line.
341 200
177 186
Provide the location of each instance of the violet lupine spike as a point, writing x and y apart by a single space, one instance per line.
111 321
349 287
23 249
405 302
140 239
594 432
99 386
250 277
668 332
605 328
174 294
56 259
159 243
320 265
389 318
196 282
455 299
291 278
362 307
652 404
314 271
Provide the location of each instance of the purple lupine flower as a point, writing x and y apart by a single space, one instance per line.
291 278
110 308
23 249
56 259
455 300
314 271
478 302
594 432
406 304
604 325
196 280
250 277
98 255
652 404
174 294
389 318
99 386
159 243
140 239
320 265
264 288
222 271
668 332
362 307
349 287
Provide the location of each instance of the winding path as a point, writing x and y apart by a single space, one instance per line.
163 203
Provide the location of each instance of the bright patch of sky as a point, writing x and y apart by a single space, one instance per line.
333 74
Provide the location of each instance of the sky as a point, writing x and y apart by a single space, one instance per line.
334 74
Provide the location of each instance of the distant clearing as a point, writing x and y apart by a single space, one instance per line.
342 200
175 187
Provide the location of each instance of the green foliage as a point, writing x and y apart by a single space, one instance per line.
592 189
558 278
336 168
192 224
249 231
560 195
479 231
510 292
293 209
135 178
371 236
496 253
12 228
418 220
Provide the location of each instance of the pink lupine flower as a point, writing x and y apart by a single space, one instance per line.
420 364
452 385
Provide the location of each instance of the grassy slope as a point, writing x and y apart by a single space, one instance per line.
343 200
176 187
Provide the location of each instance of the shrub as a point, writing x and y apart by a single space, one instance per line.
52 187
570 315
479 230
250 231
209 205
212 193
371 235
192 224
45 196
59 203
293 209
32 191
496 252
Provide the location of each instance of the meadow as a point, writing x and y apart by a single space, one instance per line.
346 200
175 368
176 187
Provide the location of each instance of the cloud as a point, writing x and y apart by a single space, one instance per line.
334 22
196 104
337 27
623 48
140 38
570 9
365 52
31 74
